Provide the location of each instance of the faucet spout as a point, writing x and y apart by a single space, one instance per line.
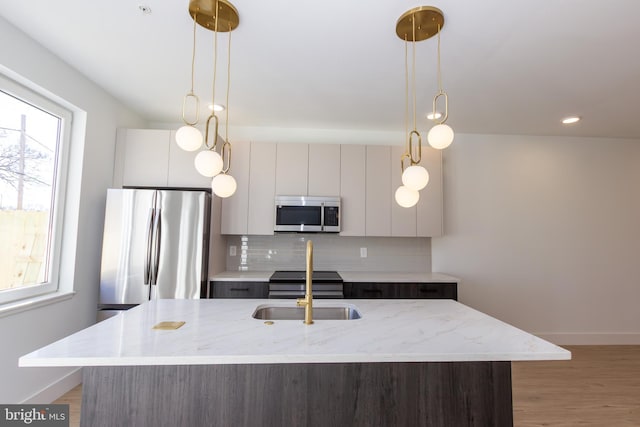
307 301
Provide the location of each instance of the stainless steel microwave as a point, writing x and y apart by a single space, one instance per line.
307 214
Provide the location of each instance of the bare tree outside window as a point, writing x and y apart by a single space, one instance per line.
29 138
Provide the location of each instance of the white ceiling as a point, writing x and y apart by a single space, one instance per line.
514 67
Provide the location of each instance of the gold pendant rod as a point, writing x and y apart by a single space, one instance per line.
213 90
226 127
441 92
191 93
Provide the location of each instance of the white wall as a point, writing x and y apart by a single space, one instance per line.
545 233
92 161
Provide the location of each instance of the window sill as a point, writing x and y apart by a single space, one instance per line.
34 302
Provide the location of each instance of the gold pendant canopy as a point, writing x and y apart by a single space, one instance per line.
205 14
427 19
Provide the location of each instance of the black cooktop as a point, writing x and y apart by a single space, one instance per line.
297 276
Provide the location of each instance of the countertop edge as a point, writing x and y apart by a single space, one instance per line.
26 362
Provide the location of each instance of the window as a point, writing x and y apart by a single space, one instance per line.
34 139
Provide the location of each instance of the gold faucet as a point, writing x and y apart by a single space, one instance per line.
307 301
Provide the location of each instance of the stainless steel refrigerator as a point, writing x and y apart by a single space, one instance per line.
155 245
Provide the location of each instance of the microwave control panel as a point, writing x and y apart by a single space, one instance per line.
331 216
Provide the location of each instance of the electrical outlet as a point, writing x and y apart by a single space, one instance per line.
363 252
232 251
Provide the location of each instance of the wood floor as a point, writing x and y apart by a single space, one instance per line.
599 387
73 398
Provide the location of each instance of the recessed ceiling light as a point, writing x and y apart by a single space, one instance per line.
216 107
570 120
145 9
435 116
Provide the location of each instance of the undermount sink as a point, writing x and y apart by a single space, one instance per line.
279 312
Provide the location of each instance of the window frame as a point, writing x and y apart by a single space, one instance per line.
40 99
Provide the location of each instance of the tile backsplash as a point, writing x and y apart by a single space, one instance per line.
330 252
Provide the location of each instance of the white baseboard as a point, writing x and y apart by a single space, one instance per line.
53 391
581 338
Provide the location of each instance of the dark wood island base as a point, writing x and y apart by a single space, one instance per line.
412 394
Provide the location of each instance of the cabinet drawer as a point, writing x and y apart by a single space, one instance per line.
369 290
436 291
222 289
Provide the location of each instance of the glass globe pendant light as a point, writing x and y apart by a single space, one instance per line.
417 24
208 163
188 137
407 197
415 177
224 185
441 135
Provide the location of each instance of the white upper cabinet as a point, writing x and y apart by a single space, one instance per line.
151 158
145 156
324 170
430 204
262 188
353 181
292 162
250 210
365 178
235 209
378 191
403 220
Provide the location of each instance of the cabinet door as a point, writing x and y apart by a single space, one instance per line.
430 204
436 291
235 209
392 290
146 157
403 220
262 184
182 171
354 290
324 170
222 289
378 191
367 290
353 180
292 161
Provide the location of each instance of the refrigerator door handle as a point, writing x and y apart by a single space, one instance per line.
158 240
149 245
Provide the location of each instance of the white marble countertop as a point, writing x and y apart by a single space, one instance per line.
222 331
347 276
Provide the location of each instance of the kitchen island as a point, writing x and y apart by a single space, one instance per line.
404 362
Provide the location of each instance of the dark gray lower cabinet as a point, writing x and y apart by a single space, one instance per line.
224 289
438 394
401 290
